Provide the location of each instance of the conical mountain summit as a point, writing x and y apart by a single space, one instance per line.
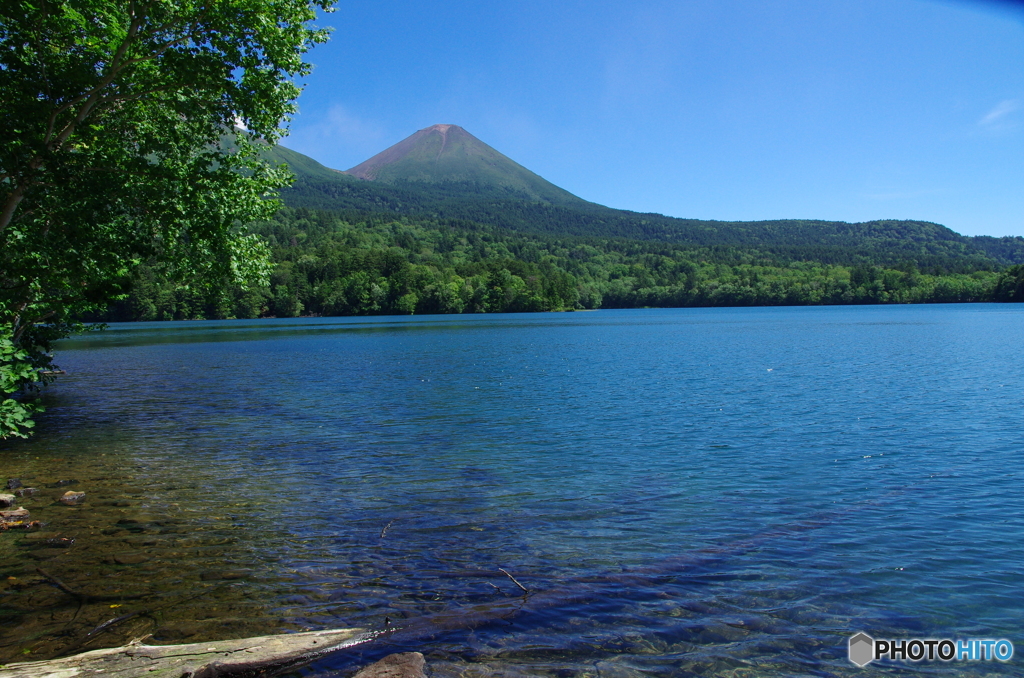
449 154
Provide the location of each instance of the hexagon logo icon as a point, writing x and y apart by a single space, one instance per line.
862 649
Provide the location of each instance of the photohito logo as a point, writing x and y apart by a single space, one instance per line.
864 649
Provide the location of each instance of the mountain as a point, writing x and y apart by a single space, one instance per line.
448 154
445 173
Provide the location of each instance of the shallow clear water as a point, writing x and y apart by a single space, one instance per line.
685 492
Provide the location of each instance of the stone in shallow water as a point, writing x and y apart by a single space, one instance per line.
62 483
14 517
70 498
60 542
6 500
46 554
13 483
608 669
130 558
176 631
25 492
224 574
401 665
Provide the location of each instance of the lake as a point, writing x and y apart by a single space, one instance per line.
692 492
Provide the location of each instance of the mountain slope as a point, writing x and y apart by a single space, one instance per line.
443 172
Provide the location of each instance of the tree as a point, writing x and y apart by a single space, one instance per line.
1010 285
129 132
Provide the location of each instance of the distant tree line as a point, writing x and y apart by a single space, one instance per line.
331 264
932 248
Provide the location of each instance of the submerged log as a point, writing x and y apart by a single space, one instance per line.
261 656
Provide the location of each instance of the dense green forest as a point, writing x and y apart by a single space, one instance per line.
890 243
332 263
348 246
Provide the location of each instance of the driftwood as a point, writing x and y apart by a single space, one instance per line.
249 657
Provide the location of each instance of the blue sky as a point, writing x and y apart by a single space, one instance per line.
830 109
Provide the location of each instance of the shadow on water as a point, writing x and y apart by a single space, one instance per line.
696 614
192 332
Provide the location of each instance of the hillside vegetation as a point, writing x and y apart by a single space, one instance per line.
442 223
333 264
926 245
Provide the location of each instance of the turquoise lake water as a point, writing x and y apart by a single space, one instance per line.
713 492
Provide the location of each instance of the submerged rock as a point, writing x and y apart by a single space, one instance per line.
400 665
70 498
62 483
25 492
13 483
14 517
176 631
45 554
60 542
130 558
224 575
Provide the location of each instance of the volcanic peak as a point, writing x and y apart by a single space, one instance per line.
447 153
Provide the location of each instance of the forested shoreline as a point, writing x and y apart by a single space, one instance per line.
330 263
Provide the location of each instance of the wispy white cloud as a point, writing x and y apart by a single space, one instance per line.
337 138
997 116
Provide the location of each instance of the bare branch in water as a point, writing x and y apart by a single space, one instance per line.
525 590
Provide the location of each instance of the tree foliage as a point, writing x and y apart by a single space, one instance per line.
112 115
369 264
1010 285
927 246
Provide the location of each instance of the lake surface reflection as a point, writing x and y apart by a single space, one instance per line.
726 492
